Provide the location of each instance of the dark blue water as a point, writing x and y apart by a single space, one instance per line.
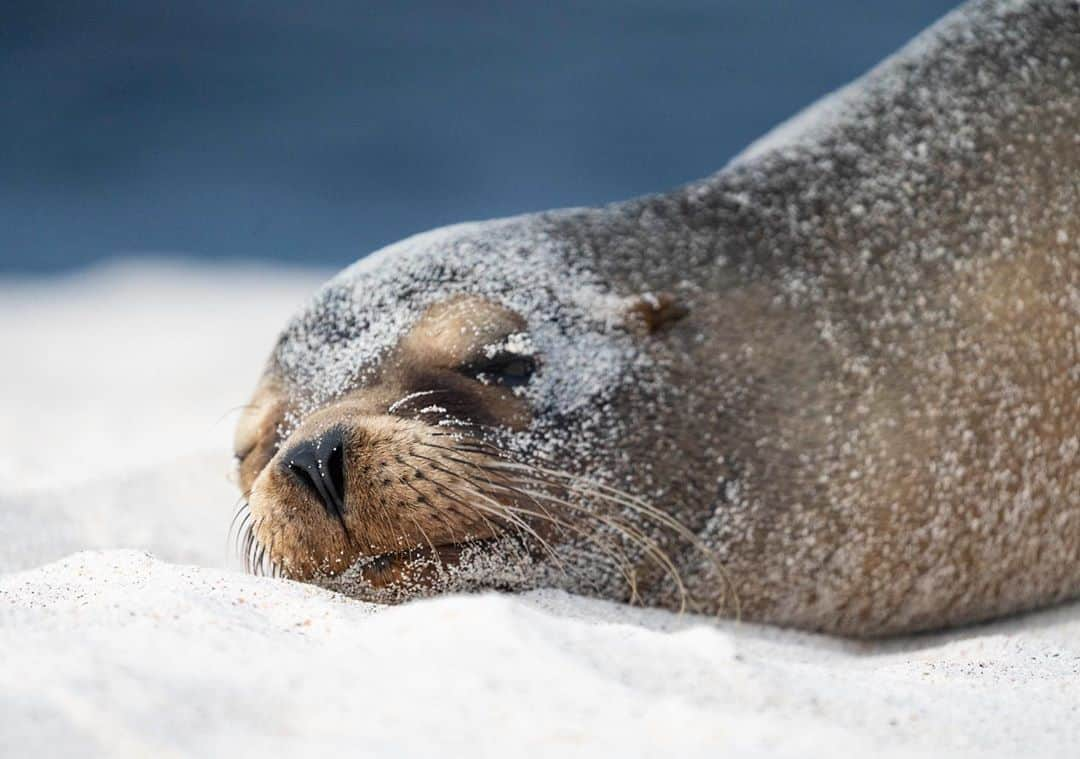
317 132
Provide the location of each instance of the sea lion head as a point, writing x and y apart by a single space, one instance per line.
427 422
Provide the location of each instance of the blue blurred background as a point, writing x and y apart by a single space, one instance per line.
317 132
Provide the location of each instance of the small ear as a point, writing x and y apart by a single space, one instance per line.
647 313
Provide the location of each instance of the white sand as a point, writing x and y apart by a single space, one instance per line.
112 436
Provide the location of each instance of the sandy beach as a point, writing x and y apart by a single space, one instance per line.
127 627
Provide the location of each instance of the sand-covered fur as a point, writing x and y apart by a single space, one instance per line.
860 416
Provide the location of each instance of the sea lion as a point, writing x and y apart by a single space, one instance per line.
834 386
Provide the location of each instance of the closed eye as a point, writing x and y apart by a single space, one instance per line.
506 369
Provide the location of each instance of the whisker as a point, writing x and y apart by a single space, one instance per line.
270 556
632 534
501 511
411 396
243 508
437 466
234 409
248 538
260 550
632 502
620 560
594 491
423 498
241 531
608 550
589 487
434 553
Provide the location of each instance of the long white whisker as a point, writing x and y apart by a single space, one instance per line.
411 396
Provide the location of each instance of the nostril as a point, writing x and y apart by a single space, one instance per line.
319 465
335 470
301 473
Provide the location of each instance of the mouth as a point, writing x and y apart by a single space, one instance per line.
416 566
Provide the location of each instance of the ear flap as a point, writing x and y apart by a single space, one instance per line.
647 313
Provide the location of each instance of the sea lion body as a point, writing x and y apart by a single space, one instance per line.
866 423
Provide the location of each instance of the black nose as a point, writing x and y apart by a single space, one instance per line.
320 465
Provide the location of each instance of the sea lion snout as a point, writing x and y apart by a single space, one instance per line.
390 470
318 464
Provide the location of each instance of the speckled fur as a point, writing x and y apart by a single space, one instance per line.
872 411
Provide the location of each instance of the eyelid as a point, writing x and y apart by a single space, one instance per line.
493 363
478 364
513 345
